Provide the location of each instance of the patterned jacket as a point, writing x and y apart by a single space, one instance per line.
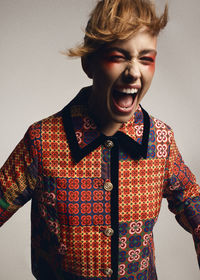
95 199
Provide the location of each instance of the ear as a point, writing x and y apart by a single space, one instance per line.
86 63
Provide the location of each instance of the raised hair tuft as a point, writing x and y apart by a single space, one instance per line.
113 20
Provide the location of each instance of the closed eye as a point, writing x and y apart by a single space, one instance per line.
147 59
115 58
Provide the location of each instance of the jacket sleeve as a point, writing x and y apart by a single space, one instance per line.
183 194
18 176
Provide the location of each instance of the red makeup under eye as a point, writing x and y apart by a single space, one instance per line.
113 57
149 60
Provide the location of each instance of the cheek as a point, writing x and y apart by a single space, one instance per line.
103 77
110 70
108 65
151 68
148 75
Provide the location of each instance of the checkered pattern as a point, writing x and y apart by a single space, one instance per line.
95 253
141 190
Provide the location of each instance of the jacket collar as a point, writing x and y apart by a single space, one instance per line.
83 135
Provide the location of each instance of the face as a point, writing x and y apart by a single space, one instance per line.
122 74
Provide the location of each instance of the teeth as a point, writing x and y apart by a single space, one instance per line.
129 90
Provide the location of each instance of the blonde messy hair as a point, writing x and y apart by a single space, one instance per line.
113 20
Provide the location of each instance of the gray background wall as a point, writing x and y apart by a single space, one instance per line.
37 81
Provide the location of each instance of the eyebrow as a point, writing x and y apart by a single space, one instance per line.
127 54
148 51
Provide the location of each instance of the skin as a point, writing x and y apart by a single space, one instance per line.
123 64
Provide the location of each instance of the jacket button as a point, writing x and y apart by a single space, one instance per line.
108 271
109 144
108 186
108 232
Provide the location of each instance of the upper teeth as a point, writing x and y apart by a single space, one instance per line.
129 90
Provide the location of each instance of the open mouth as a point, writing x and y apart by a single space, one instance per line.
124 99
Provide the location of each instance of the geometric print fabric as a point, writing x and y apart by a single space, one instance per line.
71 209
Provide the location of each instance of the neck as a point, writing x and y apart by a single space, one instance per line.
106 125
110 129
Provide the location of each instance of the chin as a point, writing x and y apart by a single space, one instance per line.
122 118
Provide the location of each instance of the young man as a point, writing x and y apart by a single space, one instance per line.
97 171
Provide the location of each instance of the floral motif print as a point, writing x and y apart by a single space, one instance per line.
162 151
136 227
123 241
159 124
139 130
144 263
134 255
146 238
161 136
88 123
122 269
79 136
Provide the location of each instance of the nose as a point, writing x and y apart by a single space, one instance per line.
132 72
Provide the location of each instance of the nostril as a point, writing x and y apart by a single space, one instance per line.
131 73
128 78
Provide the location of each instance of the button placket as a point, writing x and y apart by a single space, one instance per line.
108 187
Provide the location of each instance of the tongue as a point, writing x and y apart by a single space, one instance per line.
123 100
